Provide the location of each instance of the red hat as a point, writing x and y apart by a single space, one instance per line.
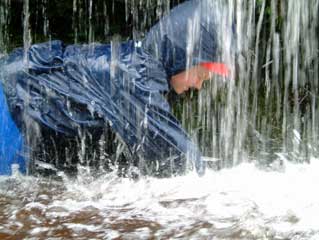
217 68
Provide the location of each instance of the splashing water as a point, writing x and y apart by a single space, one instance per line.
239 203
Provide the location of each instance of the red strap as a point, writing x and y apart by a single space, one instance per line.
218 68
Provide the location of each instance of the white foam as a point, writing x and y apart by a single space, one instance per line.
284 201
262 203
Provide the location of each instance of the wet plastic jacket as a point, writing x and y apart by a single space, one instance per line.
11 141
70 87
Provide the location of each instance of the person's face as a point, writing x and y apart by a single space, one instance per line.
191 78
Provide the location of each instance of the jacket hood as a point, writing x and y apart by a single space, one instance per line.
187 36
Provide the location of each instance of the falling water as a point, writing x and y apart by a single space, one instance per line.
26 29
270 107
4 19
257 124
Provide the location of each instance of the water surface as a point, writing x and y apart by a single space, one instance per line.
240 203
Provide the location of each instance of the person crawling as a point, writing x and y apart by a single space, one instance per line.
71 89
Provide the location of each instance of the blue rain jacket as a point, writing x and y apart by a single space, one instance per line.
11 141
69 87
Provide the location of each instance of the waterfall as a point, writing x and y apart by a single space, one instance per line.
268 111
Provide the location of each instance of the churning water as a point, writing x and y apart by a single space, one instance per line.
239 203
271 106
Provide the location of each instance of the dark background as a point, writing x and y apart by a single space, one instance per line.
108 18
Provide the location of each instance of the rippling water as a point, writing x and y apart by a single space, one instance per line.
240 203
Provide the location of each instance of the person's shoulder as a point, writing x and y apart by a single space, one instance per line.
188 5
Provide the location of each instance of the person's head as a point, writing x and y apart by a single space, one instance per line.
188 42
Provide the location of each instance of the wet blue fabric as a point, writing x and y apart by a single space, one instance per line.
66 88
70 87
11 141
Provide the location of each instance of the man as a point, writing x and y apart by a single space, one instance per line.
70 88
